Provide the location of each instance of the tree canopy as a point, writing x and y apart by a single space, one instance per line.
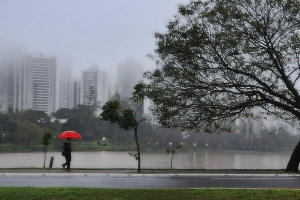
219 59
113 112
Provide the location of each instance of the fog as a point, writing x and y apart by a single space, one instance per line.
81 34
84 33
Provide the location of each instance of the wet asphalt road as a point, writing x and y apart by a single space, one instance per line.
102 180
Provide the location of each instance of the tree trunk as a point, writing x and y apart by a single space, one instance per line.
138 149
45 156
293 163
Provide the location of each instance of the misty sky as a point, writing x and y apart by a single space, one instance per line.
85 32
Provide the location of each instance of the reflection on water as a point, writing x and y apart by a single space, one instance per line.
181 160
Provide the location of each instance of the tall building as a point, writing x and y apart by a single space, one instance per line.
27 82
76 92
128 75
40 84
95 80
11 63
66 89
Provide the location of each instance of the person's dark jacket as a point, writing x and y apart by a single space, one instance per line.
67 147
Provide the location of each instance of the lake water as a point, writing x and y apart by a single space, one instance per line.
121 159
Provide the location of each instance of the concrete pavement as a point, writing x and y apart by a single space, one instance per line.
144 172
131 179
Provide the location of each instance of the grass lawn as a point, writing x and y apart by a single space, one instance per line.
12 193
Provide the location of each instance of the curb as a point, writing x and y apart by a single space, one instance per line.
145 175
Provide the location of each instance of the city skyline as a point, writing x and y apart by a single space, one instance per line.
27 84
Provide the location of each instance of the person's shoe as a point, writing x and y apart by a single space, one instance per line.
69 170
63 165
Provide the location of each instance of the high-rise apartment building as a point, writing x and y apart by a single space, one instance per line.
27 82
95 80
66 89
76 92
11 63
128 75
40 84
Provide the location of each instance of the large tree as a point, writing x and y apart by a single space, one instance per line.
219 59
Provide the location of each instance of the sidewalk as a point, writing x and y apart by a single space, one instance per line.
144 171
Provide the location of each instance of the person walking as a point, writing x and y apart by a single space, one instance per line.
67 149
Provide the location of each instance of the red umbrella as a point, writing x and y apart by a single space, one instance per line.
71 134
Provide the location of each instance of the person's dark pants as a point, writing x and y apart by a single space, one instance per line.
68 160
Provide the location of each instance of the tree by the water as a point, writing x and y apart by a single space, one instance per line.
171 151
219 59
126 119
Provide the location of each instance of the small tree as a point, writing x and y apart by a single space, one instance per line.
125 119
171 151
45 142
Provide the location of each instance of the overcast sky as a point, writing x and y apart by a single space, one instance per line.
86 32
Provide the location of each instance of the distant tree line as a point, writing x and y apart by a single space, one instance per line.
27 127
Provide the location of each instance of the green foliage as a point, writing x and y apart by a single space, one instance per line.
72 124
110 111
82 119
83 112
62 113
7 124
34 116
45 142
4 120
113 112
46 138
219 59
12 193
27 132
139 92
127 120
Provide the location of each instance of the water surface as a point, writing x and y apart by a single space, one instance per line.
121 159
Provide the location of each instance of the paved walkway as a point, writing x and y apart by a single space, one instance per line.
131 179
143 171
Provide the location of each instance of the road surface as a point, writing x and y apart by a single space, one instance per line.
101 180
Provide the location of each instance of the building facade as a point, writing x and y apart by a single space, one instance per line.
27 82
129 74
76 92
40 76
11 64
66 90
94 81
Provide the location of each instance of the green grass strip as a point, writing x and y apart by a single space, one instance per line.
28 193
